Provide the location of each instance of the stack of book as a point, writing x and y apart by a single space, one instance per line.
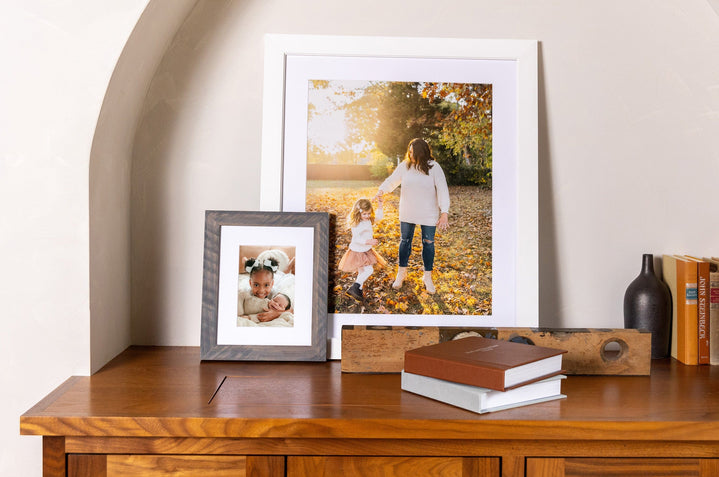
484 375
694 285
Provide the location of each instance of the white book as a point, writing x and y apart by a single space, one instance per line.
481 400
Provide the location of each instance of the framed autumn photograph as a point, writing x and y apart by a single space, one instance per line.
424 152
265 286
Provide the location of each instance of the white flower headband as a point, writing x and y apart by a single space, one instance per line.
267 263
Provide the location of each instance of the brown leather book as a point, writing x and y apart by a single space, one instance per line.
488 363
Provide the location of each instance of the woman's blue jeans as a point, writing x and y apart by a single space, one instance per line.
405 244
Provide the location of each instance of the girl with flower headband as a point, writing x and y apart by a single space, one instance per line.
259 304
360 256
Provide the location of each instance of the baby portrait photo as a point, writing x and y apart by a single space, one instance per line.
266 286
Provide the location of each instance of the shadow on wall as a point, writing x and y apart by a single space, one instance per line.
110 181
550 314
175 157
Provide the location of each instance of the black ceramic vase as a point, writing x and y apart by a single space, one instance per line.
648 306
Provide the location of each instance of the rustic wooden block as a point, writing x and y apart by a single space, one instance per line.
380 349
592 351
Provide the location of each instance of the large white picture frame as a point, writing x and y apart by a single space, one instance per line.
510 65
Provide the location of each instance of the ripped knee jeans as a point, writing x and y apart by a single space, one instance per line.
405 244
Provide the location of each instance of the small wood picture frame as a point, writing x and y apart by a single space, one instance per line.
264 288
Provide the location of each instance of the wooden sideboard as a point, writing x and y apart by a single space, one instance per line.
160 411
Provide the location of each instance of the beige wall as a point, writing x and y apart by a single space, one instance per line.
57 61
629 104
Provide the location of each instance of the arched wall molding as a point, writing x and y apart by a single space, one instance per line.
110 176
715 5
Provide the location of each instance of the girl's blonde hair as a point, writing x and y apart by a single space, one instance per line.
355 215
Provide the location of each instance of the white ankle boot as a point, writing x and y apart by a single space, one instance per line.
401 275
428 285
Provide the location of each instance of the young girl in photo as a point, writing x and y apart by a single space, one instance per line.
360 256
259 303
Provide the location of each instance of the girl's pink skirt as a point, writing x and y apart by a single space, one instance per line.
352 261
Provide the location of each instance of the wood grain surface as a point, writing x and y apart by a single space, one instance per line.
602 467
323 466
162 410
165 465
168 392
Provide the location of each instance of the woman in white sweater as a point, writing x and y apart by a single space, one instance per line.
423 201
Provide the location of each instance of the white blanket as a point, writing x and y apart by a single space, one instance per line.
284 283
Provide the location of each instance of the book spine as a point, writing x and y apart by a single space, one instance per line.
714 317
456 372
687 327
703 324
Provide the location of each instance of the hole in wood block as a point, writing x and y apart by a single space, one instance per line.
521 339
613 349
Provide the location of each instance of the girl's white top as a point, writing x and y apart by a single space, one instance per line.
362 232
422 196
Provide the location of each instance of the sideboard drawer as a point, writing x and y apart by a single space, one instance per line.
358 466
119 465
607 467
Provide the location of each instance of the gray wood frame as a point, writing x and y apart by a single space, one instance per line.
214 220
